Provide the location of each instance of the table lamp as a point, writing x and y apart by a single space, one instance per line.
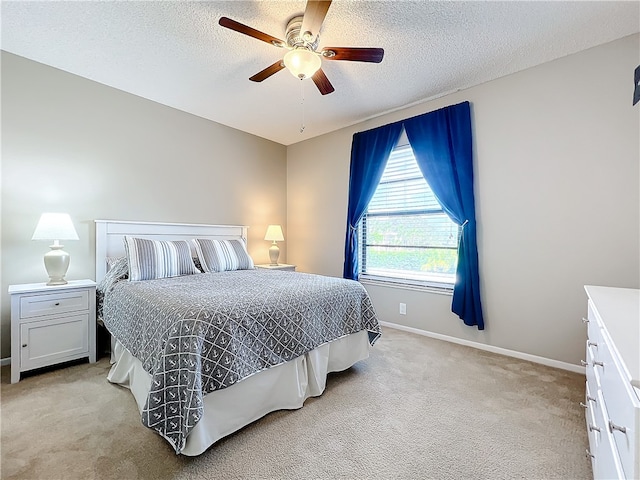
56 227
274 233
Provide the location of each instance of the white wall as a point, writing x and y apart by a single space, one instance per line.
557 180
73 145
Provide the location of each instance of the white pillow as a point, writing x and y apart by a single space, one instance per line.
222 255
153 259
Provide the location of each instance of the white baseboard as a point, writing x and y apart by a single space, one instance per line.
490 348
5 362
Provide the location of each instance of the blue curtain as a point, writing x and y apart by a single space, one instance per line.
442 144
370 151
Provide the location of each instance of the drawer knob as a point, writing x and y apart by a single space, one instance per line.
24 345
56 304
593 344
613 426
584 320
591 399
584 405
600 364
583 363
593 427
589 454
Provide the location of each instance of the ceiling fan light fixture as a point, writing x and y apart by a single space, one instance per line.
302 63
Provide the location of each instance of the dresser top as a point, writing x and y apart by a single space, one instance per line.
619 309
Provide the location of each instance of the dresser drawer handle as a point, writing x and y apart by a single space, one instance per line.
589 399
589 454
593 427
583 363
593 344
600 364
56 304
24 345
584 320
613 426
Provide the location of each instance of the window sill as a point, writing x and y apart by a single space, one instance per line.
441 289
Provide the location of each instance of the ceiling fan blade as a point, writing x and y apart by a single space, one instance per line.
354 54
322 82
252 32
314 14
267 72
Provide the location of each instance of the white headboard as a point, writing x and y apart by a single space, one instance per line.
110 234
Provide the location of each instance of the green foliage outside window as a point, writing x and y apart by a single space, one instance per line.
436 260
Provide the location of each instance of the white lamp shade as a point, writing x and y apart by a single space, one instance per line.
274 233
55 226
302 63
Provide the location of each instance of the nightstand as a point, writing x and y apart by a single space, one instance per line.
279 266
51 324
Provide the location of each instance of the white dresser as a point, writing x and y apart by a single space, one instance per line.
612 399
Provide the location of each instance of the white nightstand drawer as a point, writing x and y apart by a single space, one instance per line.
50 304
50 341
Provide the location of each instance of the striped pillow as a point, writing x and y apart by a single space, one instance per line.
152 259
223 255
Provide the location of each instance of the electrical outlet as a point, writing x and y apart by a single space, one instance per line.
403 309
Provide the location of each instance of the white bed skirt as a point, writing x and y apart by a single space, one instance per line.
285 386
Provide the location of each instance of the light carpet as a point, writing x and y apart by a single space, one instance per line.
418 408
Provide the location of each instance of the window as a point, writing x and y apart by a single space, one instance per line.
405 235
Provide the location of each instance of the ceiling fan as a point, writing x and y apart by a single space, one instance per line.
303 59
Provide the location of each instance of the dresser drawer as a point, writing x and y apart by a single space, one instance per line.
32 306
593 404
589 415
594 329
606 462
593 378
623 409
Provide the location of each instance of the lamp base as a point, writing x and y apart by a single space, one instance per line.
56 262
274 253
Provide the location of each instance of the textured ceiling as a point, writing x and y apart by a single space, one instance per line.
175 53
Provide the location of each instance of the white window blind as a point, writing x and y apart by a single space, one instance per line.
404 233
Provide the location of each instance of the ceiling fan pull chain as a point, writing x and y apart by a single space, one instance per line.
302 125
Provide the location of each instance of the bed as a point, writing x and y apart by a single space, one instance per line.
205 354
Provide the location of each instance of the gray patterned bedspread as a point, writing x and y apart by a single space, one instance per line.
199 333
